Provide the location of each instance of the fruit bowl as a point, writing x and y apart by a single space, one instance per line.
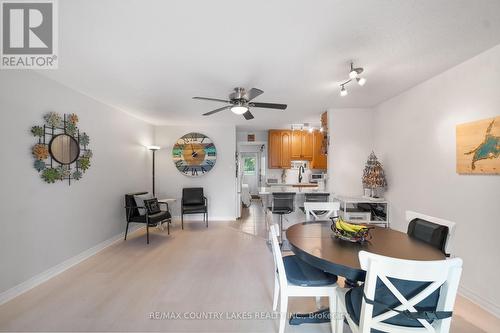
355 233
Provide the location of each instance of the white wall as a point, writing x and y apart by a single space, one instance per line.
415 139
351 141
44 224
259 135
219 184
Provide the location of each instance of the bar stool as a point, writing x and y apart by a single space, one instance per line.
282 203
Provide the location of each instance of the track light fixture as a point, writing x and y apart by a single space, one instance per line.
354 73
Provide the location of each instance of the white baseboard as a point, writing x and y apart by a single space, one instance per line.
486 304
59 268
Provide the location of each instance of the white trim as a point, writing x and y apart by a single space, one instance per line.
482 302
61 267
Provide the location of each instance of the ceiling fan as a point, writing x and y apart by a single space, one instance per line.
240 102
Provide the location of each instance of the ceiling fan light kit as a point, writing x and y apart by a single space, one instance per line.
354 74
239 109
239 102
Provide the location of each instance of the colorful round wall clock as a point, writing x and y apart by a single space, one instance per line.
194 154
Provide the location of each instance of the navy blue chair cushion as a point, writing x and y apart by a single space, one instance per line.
301 273
354 298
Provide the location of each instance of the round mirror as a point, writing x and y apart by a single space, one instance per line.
64 149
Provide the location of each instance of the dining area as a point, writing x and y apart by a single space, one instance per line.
385 281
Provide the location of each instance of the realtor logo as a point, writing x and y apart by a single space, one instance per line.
29 34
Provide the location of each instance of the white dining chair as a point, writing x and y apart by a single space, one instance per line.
321 210
410 216
295 278
437 283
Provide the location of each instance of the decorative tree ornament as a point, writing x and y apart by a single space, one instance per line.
373 175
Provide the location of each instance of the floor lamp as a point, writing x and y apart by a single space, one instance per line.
153 149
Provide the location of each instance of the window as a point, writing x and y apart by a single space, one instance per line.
249 165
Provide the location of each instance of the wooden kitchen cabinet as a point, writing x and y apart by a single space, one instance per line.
286 142
307 145
274 150
279 152
302 145
319 160
296 149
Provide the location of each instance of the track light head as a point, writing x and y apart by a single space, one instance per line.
343 91
355 72
361 81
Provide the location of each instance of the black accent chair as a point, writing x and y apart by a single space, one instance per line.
194 202
134 216
283 203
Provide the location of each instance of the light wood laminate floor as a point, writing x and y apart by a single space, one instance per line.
226 268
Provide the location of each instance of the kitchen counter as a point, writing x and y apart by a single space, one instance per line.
289 189
292 184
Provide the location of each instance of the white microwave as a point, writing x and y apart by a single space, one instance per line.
317 177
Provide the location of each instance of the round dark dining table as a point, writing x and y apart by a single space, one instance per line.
314 243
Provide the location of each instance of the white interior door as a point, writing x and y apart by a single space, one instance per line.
250 164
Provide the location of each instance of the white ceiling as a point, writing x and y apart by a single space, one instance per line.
149 58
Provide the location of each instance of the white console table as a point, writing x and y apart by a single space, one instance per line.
347 200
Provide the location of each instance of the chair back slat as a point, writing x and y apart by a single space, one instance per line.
442 276
279 266
321 210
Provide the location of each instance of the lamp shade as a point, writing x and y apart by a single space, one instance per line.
153 147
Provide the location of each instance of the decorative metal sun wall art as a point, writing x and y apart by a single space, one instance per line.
62 152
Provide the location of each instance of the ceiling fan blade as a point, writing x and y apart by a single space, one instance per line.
248 115
211 99
217 110
268 105
254 92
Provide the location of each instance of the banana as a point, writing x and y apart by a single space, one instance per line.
357 227
346 227
349 227
338 226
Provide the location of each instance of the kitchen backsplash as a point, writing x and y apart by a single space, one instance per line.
291 175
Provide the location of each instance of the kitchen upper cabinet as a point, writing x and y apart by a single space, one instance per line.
296 150
307 145
302 145
286 143
274 150
319 160
280 142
